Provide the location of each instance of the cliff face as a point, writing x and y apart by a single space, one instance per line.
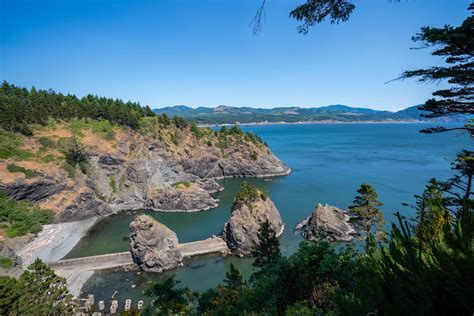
160 168
240 232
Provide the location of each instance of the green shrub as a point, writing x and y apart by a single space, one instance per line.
113 185
254 155
197 132
10 144
47 143
6 263
175 138
185 183
28 173
249 193
75 154
22 216
71 171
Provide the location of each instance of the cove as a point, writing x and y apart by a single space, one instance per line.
329 162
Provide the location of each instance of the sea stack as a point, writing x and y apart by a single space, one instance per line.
327 223
251 207
154 246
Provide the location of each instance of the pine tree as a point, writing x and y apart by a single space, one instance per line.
366 207
42 292
267 250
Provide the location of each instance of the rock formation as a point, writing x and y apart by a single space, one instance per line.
240 232
133 170
154 246
327 223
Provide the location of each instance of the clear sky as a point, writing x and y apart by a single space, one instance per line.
203 53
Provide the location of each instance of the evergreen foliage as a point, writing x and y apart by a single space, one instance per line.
366 207
20 108
249 194
267 250
38 291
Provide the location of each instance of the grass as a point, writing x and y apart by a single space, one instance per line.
6 263
27 172
10 146
71 171
22 216
113 185
179 183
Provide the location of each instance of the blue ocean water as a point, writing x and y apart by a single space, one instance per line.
328 161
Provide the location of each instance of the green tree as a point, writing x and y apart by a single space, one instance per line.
75 154
267 249
167 298
42 292
366 207
9 294
456 46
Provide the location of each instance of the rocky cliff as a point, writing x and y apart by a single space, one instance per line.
327 223
247 214
154 246
165 168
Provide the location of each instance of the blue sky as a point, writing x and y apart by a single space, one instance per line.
203 53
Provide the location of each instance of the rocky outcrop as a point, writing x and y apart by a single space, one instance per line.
240 232
33 191
6 252
327 223
86 205
182 199
132 171
154 246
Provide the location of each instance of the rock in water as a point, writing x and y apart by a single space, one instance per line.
327 223
154 246
240 232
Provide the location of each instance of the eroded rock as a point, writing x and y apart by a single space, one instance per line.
154 246
240 232
327 223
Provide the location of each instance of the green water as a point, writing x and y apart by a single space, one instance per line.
329 162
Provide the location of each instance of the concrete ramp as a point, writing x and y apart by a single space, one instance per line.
202 247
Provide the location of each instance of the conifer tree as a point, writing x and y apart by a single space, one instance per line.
267 250
366 207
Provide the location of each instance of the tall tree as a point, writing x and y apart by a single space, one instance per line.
42 292
167 298
456 46
366 207
267 250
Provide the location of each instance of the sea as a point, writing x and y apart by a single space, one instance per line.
328 161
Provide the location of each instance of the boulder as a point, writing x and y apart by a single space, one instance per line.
240 232
154 246
327 223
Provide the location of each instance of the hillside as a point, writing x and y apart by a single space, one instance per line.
331 113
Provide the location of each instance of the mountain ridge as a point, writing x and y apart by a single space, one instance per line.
224 114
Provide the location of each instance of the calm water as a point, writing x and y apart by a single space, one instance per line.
329 162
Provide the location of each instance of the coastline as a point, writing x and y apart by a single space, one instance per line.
265 123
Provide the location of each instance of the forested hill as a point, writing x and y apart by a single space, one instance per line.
20 107
337 113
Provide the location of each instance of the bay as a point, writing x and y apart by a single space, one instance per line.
328 161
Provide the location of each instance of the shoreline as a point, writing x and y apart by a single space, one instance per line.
324 122
56 240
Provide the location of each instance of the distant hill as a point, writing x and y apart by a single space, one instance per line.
224 114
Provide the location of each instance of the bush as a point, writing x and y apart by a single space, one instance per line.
47 143
6 263
113 185
75 154
22 217
179 183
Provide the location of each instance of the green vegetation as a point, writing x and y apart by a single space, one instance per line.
20 108
248 194
10 147
185 183
366 207
38 291
75 154
6 263
112 183
28 173
22 217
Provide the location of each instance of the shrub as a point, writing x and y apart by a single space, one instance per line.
75 154
6 263
113 185
179 183
22 216
47 143
254 155
28 173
